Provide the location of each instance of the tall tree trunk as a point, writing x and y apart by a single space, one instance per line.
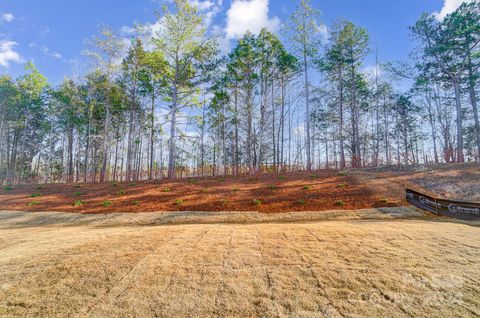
152 135
70 154
341 128
236 172
458 107
473 101
172 144
307 107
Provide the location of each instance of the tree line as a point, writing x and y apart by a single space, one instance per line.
168 104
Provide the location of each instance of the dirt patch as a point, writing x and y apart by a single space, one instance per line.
448 181
266 193
368 268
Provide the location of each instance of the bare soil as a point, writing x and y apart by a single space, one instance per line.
117 265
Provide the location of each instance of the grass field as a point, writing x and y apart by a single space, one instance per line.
364 263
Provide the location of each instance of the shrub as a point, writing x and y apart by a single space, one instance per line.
282 177
33 203
343 173
107 203
77 186
36 195
166 189
7 188
341 185
121 192
307 188
257 202
179 202
340 203
194 181
132 184
314 176
136 202
114 184
300 202
77 194
221 180
78 203
273 187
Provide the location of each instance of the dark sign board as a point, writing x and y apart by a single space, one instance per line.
454 209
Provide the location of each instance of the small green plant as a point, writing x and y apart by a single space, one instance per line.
114 184
39 188
193 181
340 203
33 203
136 202
203 190
343 173
77 194
35 195
107 203
78 203
273 187
121 192
166 189
300 202
179 202
341 186
225 202
307 188
383 200
236 189
257 202
221 180
282 177
132 184
314 176
7 188
78 186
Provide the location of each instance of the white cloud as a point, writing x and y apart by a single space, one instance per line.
372 70
323 31
249 15
448 7
8 53
8 17
202 5
45 50
209 8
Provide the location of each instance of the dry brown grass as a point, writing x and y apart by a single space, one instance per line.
91 268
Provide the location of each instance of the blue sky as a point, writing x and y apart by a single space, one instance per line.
52 33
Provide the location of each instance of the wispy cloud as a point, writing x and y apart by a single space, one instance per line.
45 50
7 17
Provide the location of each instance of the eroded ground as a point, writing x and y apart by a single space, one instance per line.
100 266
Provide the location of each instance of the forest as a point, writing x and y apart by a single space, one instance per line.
166 103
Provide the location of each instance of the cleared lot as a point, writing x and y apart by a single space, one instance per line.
377 267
